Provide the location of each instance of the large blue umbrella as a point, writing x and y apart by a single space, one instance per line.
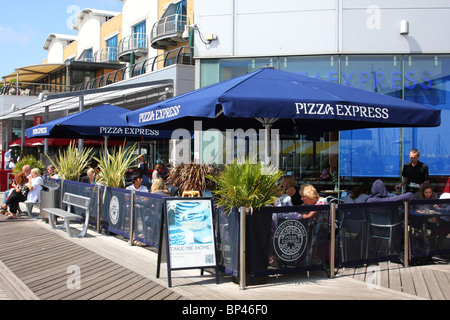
102 121
305 104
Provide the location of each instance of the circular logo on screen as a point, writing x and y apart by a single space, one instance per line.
114 210
290 240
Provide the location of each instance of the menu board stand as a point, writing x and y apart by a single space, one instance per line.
188 229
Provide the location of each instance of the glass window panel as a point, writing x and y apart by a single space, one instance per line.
427 81
371 152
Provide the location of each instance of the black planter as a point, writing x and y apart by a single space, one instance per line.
257 246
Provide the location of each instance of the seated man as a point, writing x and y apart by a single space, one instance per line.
137 184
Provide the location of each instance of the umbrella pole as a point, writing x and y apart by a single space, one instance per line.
267 144
242 245
105 152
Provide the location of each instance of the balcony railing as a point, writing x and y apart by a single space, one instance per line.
31 89
137 43
168 31
182 55
109 54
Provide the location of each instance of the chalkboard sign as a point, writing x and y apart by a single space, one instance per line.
189 232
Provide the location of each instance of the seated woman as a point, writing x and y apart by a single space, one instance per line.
426 192
90 176
35 183
310 197
18 194
159 187
292 190
318 224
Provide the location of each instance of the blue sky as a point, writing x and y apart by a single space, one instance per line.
25 24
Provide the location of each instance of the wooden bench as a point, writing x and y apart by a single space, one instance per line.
71 200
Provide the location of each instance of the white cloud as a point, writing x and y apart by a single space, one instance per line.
10 36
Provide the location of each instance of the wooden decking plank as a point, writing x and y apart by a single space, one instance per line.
360 273
419 283
86 272
103 288
149 294
395 282
43 260
63 292
407 281
44 271
132 291
443 282
13 286
120 284
432 284
97 280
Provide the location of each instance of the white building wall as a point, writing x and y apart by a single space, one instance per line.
56 51
89 34
292 27
136 11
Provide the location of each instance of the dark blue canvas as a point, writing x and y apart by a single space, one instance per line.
104 120
311 105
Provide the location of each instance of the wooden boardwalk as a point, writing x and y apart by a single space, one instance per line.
38 263
427 281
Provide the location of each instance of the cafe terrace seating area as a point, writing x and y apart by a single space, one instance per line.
278 240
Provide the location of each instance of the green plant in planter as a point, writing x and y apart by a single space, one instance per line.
248 184
72 162
113 167
32 161
192 176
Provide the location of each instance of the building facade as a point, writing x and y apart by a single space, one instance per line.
111 51
396 48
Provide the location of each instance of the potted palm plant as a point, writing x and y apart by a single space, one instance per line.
72 162
243 187
32 161
112 167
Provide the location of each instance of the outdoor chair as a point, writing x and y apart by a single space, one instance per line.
382 223
353 229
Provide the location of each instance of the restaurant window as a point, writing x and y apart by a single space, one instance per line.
17 128
427 81
371 152
377 152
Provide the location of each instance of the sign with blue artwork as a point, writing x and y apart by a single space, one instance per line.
189 233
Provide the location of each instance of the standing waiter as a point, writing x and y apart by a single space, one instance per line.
414 173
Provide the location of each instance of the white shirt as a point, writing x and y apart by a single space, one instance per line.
142 188
35 194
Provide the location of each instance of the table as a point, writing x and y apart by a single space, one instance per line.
420 224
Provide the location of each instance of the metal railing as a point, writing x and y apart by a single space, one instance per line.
109 54
340 234
136 41
31 89
182 55
168 26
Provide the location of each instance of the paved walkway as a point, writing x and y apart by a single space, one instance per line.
38 263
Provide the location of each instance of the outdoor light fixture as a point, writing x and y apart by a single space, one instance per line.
404 27
206 40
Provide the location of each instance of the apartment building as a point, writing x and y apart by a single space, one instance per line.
140 48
